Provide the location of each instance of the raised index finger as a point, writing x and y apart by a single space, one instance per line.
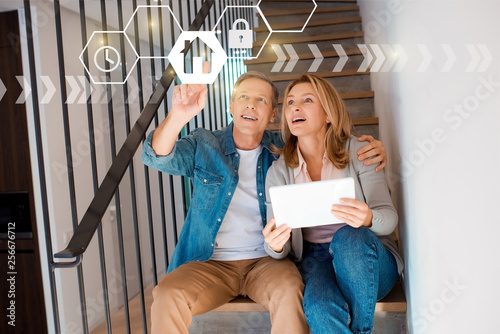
206 67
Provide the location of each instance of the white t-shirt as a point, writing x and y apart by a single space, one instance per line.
240 235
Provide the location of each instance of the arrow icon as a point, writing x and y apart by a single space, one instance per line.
401 56
487 58
475 58
88 90
51 89
101 93
26 89
107 92
75 89
281 58
451 58
391 57
318 58
427 57
342 58
368 58
293 58
3 89
133 94
379 58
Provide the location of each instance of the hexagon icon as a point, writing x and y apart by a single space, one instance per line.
276 30
239 53
177 57
155 18
105 58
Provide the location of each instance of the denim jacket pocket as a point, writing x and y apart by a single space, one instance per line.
207 185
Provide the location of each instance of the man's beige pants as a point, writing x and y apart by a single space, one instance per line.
198 287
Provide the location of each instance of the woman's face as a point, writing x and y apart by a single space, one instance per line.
304 113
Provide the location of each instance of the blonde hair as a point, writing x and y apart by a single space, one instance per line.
338 131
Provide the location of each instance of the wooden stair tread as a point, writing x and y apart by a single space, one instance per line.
317 38
302 56
308 11
355 122
293 76
357 95
349 95
395 301
294 25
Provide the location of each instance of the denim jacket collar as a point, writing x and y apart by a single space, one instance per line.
230 148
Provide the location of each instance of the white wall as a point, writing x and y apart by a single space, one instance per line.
441 129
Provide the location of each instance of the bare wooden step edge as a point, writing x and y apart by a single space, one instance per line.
293 76
348 96
318 38
355 121
303 56
357 95
395 301
294 25
308 11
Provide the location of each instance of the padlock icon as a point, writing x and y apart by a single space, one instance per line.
240 39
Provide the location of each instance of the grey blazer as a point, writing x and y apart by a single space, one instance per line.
371 188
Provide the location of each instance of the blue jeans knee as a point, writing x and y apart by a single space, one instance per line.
350 242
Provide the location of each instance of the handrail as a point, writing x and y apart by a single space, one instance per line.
92 217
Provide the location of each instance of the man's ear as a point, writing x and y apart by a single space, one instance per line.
231 106
274 114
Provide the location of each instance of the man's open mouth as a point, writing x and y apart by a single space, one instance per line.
249 117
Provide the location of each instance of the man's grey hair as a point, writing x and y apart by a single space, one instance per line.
261 76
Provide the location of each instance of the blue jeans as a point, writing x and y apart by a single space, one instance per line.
344 280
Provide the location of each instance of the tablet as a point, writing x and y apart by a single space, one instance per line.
309 204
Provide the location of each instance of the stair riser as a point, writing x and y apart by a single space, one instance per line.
302 66
323 46
319 30
357 108
371 130
273 20
360 130
360 108
353 83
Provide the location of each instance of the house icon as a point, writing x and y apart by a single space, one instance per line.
197 62
177 57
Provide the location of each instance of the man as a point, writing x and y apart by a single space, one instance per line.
220 253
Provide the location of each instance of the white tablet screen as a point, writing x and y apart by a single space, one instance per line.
309 204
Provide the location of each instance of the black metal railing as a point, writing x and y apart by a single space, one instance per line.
200 15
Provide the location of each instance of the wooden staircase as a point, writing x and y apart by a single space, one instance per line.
333 22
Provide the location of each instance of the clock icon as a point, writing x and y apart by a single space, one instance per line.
111 56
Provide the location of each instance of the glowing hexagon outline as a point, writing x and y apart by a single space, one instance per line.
265 21
129 71
152 6
305 24
174 61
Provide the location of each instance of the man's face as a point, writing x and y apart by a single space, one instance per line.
251 106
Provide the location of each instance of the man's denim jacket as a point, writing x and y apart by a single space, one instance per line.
210 160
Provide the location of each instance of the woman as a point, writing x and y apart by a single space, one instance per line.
347 267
